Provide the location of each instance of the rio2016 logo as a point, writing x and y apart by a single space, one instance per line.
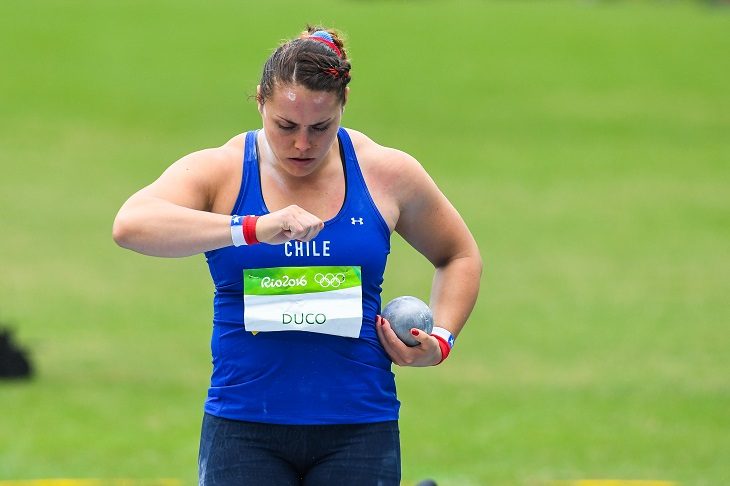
333 280
285 281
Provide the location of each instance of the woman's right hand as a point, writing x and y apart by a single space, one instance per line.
290 223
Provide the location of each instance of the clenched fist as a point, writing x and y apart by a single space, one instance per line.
290 223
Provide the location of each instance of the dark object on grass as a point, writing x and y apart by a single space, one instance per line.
14 361
427 482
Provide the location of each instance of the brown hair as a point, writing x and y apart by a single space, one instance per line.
310 62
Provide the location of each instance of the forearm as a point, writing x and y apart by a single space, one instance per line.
454 291
156 227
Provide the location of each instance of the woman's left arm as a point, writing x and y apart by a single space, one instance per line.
431 224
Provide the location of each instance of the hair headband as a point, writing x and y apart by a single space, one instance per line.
326 38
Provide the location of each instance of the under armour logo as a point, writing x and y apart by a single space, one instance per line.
356 220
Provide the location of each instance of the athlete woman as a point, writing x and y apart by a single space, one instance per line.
295 222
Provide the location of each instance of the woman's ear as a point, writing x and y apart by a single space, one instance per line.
259 100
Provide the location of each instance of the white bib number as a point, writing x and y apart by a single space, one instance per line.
326 300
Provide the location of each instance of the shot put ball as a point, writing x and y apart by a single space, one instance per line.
407 312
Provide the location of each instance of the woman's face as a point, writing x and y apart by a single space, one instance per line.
300 127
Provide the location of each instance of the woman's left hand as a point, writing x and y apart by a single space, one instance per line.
426 353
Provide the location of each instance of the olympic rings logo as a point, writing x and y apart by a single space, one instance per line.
330 279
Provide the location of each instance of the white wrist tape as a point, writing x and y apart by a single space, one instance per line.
237 231
444 334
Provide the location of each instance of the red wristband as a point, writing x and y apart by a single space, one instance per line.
249 229
445 348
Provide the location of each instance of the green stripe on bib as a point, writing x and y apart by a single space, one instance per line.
299 280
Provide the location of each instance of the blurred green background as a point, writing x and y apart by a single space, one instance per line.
585 143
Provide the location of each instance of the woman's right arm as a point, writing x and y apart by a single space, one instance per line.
172 217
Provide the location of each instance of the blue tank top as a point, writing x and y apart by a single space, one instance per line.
293 376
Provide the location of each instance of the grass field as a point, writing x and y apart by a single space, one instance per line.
585 143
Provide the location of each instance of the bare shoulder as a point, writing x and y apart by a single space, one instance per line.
375 157
393 176
221 157
202 178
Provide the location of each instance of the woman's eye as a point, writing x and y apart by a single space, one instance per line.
287 127
322 129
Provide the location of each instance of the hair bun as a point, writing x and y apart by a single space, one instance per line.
326 38
323 34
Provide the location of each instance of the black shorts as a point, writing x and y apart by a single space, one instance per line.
235 453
